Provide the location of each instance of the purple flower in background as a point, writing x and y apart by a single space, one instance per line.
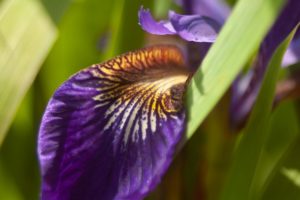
292 55
199 30
111 130
245 87
216 9
194 28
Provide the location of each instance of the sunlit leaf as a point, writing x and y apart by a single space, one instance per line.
293 175
26 35
238 40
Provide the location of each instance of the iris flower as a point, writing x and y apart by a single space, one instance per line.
111 130
194 28
245 87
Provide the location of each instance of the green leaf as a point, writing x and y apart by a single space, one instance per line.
81 29
281 137
22 134
293 175
26 35
56 8
161 8
251 167
9 190
238 40
126 34
115 26
286 182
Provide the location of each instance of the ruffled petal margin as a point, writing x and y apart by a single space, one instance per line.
193 28
111 130
149 25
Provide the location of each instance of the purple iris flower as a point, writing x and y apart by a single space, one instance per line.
199 30
216 9
111 130
246 87
194 28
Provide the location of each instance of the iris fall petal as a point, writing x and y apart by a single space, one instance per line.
111 130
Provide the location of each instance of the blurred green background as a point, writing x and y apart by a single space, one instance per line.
43 42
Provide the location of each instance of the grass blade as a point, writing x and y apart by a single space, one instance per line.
26 35
238 40
247 176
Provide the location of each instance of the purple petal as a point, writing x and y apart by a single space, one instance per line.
287 20
215 9
151 26
194 27
292 55
111 130
196 52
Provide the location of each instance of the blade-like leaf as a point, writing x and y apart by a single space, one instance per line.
125 35
26 35
286 181
240 36
244 181
284 133
281 136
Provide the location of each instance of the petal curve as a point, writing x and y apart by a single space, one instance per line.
111 130
216 9
195 28
151 26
